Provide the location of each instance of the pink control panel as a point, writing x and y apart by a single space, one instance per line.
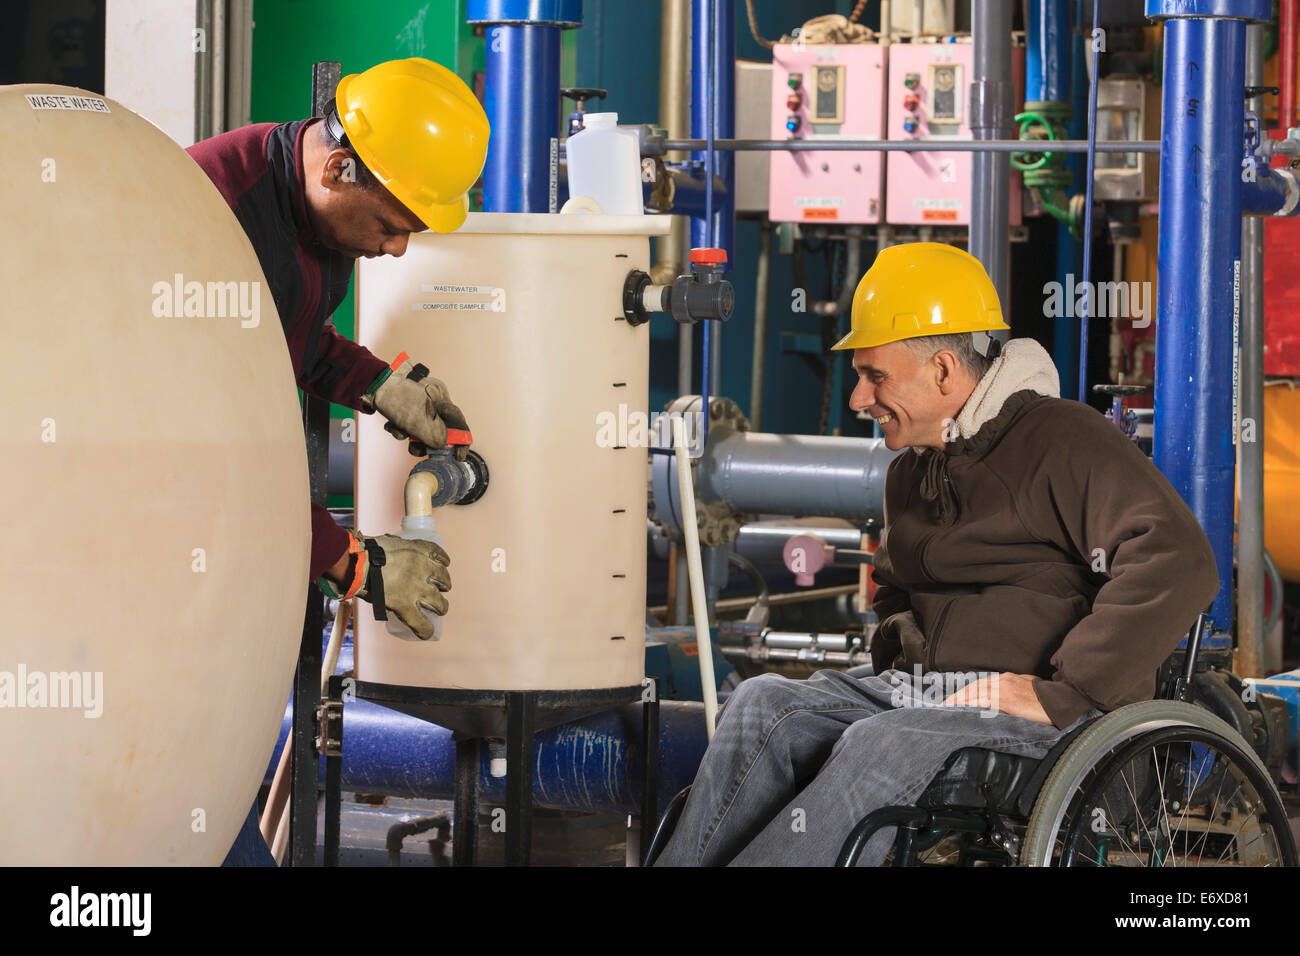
827 92
928 98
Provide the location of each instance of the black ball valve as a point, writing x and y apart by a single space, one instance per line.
702 294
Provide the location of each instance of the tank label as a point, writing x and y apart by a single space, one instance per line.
451 306
60 101
496 301
458 289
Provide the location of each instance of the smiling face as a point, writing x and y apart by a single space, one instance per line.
349 217
911 397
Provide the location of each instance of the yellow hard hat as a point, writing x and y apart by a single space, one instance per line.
922 288
421 131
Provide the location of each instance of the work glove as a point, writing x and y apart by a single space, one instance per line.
398 576
417 407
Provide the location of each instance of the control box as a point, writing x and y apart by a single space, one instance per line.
827 92
928 98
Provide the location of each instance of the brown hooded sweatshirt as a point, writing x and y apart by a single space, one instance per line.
1040 541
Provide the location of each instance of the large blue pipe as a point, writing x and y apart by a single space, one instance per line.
592 764
1199 260
521 97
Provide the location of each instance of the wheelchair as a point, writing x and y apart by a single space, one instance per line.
1175 781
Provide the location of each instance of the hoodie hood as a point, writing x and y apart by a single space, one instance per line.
1023 364
1023 367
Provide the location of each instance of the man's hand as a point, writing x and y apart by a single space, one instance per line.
1009 693
404 576
418 407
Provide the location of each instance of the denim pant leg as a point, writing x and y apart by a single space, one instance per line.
884 760
773 735
249 848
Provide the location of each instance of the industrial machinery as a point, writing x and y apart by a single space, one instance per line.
821 92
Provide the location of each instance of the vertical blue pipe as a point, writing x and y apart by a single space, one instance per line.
1052 72
1089 181
1047 57
1199 261
521 96
522 100
718 32
1065 340
713 116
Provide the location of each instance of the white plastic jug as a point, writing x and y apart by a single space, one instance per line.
420 528
605 164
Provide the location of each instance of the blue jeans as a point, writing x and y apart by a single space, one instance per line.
250 849
795 764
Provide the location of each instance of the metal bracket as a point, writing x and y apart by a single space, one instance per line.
329 720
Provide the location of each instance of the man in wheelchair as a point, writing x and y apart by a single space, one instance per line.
1035 565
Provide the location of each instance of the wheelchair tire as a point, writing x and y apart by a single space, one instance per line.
1115 741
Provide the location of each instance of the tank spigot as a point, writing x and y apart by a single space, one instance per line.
442 479
702 294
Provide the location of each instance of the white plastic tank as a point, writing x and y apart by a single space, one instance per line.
155 487
604 164
521 316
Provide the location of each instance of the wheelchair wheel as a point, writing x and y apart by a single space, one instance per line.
1159 783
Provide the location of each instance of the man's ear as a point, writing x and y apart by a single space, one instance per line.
338 169
945 371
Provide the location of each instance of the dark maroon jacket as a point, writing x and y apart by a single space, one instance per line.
258 170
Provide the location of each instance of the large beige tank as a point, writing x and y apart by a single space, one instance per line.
155 490
521 316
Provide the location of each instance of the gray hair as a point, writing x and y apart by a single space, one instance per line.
960 344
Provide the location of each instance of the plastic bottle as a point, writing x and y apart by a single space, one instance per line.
605 164
420 528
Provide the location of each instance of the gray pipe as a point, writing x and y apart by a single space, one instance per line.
1250 454
992 104
907 146
762 287
761 473
763 541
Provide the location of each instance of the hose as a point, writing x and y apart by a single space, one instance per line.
274 824
753 26
691 529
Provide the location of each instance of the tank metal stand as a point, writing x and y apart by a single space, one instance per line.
474 716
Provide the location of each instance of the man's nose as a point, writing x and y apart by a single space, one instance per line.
863 397
395 245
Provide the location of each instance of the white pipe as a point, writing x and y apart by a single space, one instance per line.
277 800
692 532
419 492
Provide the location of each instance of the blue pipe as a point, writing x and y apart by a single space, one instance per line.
1089 176
713 93
1047 57
1269 194
1065 340
713 109
1199 260
591 765
690 190
521 97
